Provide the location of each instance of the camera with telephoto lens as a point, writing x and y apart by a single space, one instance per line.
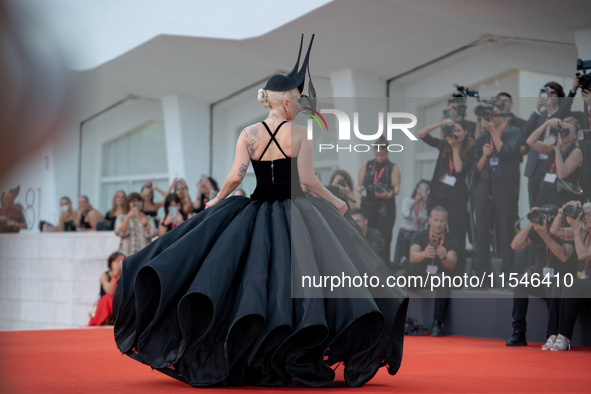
552 138
572 212
342 182
584 78
538 215
448 131
460 99
485 111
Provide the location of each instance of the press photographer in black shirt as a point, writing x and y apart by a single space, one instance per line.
552 256
434 252
496 196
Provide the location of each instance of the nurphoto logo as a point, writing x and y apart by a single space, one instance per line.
392 120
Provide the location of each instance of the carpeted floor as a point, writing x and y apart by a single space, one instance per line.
87 361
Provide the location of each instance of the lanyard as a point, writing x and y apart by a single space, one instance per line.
589 117
492 146
376 176
417 215
553 166
9 213
451 166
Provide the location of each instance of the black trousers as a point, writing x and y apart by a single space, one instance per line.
533 183
402 248
500 210
381 216
573 299
441 294
521 304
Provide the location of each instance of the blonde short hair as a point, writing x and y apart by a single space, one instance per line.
273 98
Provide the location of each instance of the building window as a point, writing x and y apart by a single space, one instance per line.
131 159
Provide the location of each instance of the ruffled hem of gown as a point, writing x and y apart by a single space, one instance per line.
210 302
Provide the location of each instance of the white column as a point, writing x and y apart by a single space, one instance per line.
358 91
186 124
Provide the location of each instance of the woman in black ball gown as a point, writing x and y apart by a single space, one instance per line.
212 302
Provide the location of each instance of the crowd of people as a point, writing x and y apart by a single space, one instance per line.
475 185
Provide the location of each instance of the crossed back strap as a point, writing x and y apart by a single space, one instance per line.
273 139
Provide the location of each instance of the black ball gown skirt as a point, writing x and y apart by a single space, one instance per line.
211 303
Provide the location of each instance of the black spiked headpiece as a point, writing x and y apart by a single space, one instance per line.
296 78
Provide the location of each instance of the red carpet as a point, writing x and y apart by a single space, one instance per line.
86 360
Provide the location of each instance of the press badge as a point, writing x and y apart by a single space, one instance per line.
449 180
582 275
550 177
494 161
432 269
542 156
549 272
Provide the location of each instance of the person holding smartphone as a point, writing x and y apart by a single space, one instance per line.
171 218
434 252
135 228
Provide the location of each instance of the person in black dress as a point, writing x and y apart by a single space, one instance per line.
217 300
564 162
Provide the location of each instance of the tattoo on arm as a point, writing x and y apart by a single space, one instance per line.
252 138
242 170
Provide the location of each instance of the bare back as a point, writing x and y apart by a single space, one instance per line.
257 138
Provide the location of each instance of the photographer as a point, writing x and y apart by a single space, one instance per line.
414 216
448 186
584 118
456 112
549 100
497 161
373 237
562 167
579 294
135 228
341 183
379 184
552 256
511 119
434 252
